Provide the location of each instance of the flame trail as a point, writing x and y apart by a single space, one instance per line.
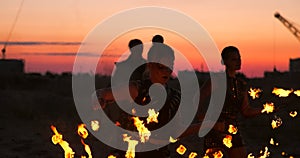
266 153
293 113
254 93
57 138
83 133
297 92
193 155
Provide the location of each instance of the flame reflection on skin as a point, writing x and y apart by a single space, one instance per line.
181 149
254 93
130 153
268 108
281 92
227 141
232 129
144 133
152 116
57 138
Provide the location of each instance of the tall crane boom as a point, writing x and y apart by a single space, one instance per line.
289 25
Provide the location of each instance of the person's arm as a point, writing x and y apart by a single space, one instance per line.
106 94
247 110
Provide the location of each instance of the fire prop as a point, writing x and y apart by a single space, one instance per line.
152 116
130 153
227 141
254 93
232 129
268 108
193 155
297 92
57 138
281 92
144 133
277 122
293 113
95 125
181 149
83 133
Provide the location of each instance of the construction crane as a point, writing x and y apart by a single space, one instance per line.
289 25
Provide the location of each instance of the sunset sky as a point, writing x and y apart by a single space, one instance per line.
47 34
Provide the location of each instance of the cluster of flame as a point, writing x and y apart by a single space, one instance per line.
144 133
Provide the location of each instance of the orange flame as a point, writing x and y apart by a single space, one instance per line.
193 155
57 138
87 149
281 92
227 141
232 129
254 93
293 113
250 156
152 116
268 108
277 122
172 140
297 92
95 125
130 153
218 154
214 153
111 156
272 142
144 133
266 153
181 149
82 131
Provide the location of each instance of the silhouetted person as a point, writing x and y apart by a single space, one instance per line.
236 102
135 63
157 39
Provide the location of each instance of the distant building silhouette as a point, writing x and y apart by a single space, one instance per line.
11 66
295 65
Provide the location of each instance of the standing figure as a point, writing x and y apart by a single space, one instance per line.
236 102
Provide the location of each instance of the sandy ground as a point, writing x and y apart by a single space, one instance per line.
28 113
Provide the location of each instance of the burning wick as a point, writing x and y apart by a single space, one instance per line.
268 108
254 93
293 113
297 92
193 155
281 92
227 141
57 138
181 149
232 129
95 125
144 133
152 116
277 122
130 153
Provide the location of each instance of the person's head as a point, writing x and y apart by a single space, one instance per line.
160 63
158 39
136 47
231 58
